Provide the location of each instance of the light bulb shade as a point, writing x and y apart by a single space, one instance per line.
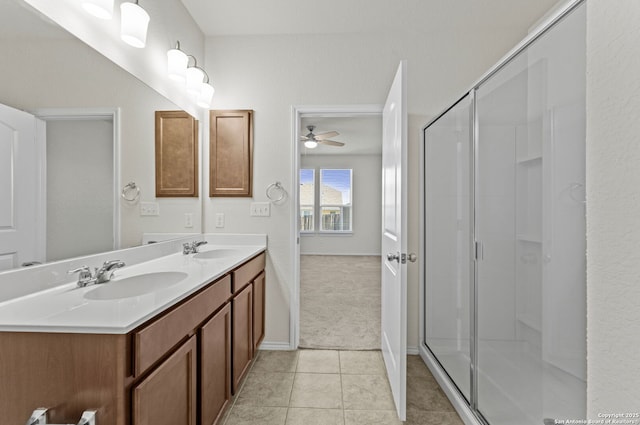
135 21
205 96
311 144
177 65
195 78
102 9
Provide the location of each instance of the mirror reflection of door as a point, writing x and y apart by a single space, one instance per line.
80 191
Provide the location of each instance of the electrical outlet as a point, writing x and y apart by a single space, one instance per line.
188 220
219 220
260 209
149 208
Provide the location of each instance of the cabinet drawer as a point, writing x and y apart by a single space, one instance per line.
246 272
153 341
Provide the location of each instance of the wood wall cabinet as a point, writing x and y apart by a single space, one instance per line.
175 369
231 153
176 154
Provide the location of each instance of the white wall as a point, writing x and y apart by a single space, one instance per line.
69 74
613 206
270 73
366 199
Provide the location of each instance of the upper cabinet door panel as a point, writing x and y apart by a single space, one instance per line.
231 153
176 154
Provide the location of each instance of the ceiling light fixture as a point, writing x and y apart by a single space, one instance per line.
177 62
102 9
311 144
134 24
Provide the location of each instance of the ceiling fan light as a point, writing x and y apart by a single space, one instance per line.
177 65
195 79
311 144
102 9
134 23
205 96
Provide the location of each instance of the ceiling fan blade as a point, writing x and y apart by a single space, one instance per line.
331 142
303 138
327 135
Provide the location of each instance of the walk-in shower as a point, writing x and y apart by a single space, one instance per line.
504 234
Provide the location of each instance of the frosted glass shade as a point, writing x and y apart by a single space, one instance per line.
102 9
205 96
311 144
195 79
177 65
134 23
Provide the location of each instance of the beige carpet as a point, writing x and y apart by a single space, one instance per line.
340 302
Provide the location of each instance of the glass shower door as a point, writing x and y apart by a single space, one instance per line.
530 221
448 165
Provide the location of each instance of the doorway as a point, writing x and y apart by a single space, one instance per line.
337 259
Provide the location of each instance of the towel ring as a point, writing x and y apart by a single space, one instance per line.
275 192
131 192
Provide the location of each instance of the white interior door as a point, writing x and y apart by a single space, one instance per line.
394 244
21 217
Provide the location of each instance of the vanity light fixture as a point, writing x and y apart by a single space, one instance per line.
102 9
195 78
133 25
206 94
311 144
177 61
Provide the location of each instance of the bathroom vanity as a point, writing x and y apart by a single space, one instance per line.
170 355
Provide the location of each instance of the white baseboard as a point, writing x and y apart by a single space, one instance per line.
413 351
273 346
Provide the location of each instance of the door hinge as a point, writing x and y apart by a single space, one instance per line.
478 251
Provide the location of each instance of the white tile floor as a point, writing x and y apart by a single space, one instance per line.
326 387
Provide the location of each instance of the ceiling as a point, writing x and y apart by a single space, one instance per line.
252 17
361 135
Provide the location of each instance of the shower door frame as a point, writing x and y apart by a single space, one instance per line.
468 411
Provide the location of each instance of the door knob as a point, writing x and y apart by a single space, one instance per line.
393 257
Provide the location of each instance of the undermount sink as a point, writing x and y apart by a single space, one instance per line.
216 253
135 285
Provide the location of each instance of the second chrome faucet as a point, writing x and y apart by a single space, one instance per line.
100 275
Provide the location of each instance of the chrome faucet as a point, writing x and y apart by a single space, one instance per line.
105 273
100 275
192 248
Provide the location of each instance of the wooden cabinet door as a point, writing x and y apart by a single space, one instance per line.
215 366
230 153
258 310
242 310
168 395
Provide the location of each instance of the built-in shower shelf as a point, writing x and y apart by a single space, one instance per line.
526 237
529 160
530 322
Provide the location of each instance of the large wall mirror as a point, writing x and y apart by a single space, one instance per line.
97 121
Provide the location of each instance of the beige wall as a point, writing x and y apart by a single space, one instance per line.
613 206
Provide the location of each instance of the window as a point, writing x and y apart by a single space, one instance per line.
333 200
307 199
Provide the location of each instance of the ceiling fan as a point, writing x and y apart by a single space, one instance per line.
311 140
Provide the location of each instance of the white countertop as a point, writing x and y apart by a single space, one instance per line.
65 309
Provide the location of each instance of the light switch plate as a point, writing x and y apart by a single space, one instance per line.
149 208
188 220
260 209
219 220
